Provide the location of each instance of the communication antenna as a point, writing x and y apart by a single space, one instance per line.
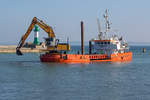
68 40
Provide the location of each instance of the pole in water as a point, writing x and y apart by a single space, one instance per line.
90 47
144 50
82 38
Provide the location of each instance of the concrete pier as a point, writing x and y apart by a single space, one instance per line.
12 49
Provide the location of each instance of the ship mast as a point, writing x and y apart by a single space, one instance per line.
99 26
107 23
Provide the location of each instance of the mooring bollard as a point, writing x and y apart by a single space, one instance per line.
144 50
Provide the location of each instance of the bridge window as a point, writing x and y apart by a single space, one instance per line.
102 43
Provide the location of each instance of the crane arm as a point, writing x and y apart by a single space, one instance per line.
45 27
35 21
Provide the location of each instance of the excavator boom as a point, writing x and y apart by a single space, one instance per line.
48 29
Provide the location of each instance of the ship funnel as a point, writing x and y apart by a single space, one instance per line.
82 38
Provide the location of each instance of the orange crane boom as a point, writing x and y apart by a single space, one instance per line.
48 29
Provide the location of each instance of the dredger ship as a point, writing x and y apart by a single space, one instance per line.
104 48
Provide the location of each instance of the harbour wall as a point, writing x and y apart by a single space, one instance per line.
12 49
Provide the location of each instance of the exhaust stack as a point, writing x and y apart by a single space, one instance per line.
82 38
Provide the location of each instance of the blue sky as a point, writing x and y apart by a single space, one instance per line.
130 17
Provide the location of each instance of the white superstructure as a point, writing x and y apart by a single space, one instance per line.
105 44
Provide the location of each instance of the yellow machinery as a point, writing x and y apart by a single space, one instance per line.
51 42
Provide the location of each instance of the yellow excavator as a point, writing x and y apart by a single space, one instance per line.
52 43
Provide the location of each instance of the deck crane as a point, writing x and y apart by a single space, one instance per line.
51 42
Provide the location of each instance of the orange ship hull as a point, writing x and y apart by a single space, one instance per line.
79 58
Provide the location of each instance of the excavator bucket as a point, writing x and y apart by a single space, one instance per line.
18 52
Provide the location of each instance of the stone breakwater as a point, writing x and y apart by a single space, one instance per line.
12 49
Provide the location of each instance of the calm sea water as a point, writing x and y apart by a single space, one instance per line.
26 78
